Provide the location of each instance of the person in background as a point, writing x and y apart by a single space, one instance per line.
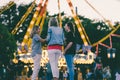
29 71
36 50
61 73
79 73
89 74
117 73
70 48
49 72
65 75
106 73
98 69
55 39
42 73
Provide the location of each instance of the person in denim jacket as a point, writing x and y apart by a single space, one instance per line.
36 50
55 39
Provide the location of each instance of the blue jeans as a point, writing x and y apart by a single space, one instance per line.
49 76
70 65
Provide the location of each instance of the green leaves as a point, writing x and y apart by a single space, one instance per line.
7 44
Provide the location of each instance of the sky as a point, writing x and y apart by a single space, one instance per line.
110 9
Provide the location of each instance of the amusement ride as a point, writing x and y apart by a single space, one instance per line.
38 19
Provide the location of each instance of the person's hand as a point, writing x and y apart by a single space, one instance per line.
63 52
61 55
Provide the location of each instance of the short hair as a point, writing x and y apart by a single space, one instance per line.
53 22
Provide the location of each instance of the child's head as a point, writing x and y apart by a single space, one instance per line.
35 30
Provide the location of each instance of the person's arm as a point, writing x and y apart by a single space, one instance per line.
95 68
70 42
49 35
38 38
67 47
42 40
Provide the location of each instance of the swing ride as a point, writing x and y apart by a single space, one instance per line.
39 17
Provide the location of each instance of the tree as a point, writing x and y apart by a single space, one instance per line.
8 45
11 17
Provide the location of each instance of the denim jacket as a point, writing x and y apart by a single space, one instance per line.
55 36
36 45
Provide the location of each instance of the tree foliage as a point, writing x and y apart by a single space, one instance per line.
11 17
7 43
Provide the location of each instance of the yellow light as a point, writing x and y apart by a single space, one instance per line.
23 43
26 36
35 15
38 8
79 29
32 22
113 55
15 60
108 55
82 36
29 30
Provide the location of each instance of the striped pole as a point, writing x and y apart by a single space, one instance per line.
78 23
4 8
26 37
60 19
23 18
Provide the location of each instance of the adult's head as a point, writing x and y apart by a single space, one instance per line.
70 27
35 30
53 22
